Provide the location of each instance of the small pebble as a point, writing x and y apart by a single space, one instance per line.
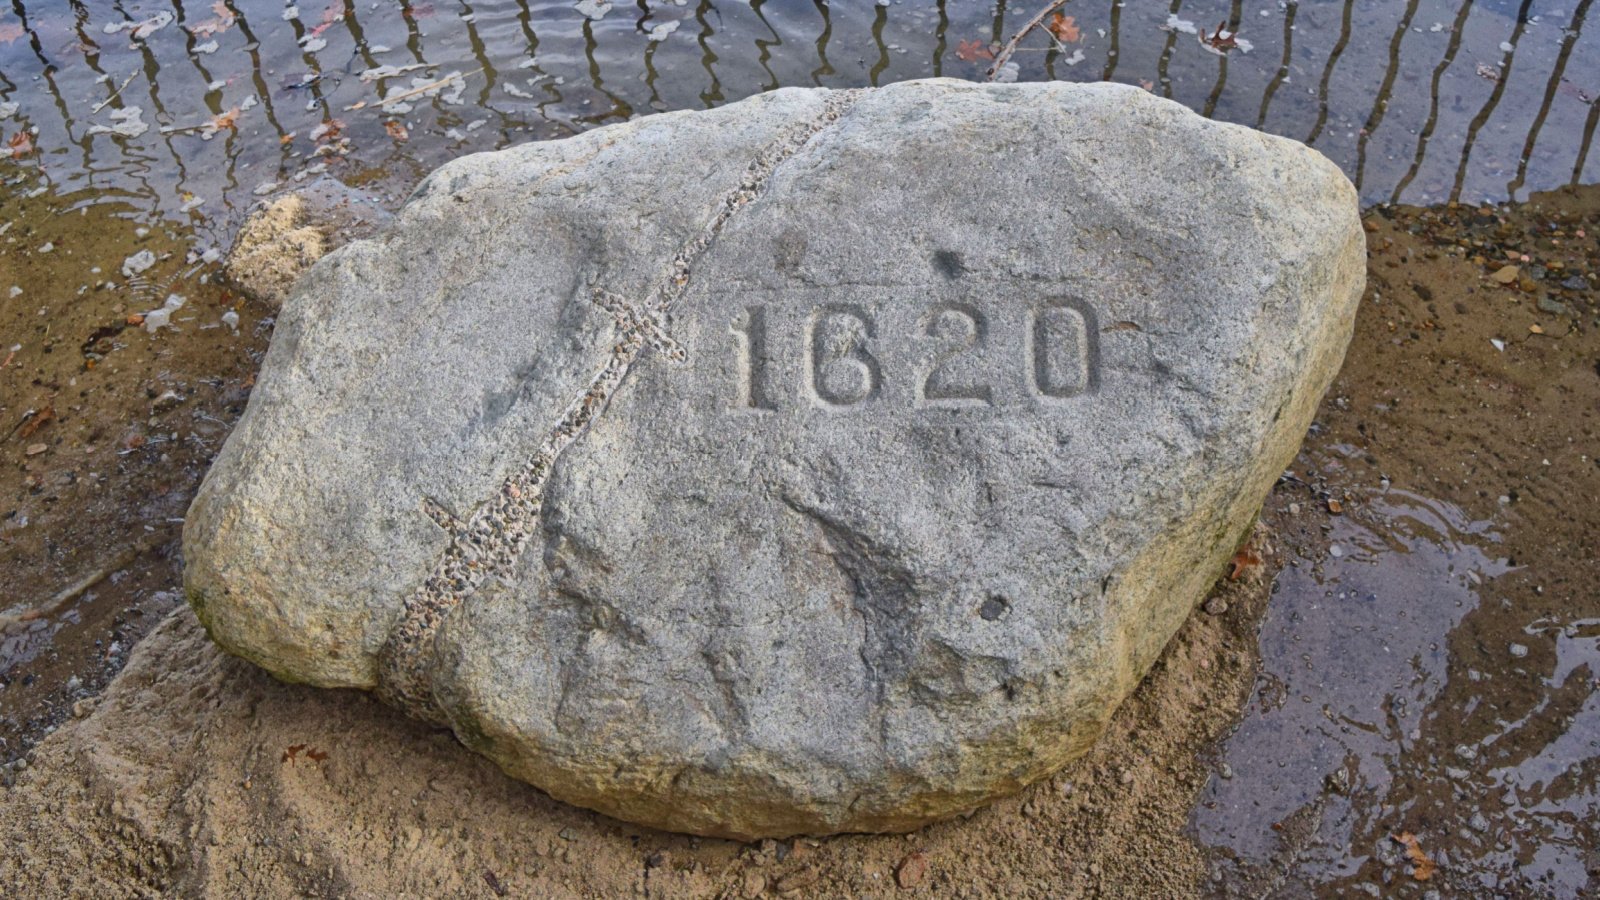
912 871
1518 651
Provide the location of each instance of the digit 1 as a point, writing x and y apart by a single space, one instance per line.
752 360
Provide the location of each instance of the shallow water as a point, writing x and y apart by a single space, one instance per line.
1355 660
1420 101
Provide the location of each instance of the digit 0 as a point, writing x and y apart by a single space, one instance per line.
1063 349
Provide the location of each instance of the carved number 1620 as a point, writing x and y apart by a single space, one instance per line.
1058 355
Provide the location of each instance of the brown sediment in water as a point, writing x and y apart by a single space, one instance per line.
198 773
105 431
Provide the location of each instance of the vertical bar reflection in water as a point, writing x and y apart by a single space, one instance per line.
1114 52
712 95
1282 74
764 46
1489 105
1380 102
1457 30
824 67
1234 15
1588 139
879 19
1569 37
1162 77
620 109
1327 72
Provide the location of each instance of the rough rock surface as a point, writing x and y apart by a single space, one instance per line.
828 461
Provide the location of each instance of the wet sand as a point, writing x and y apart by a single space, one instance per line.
1442 515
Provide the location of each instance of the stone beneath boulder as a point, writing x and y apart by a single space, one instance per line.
828 461
281 239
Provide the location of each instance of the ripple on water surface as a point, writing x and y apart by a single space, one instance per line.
190 111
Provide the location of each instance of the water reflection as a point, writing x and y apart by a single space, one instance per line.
1508 106
1370 718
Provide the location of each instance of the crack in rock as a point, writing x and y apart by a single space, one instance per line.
489 542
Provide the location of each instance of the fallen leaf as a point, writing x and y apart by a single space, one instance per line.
971 51
1571 90
36 422
210 27
1064 29
1220 41
10 31
329 16
1421 866
21 144
155 23
1243 563
396 129
329 130
218 122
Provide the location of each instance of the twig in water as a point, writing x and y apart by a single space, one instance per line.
1011 46
429 86
73 591
102 104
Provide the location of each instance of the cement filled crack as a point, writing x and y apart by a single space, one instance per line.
489 542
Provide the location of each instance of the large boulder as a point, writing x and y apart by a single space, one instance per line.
827 461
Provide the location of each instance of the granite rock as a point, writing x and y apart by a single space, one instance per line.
827 461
